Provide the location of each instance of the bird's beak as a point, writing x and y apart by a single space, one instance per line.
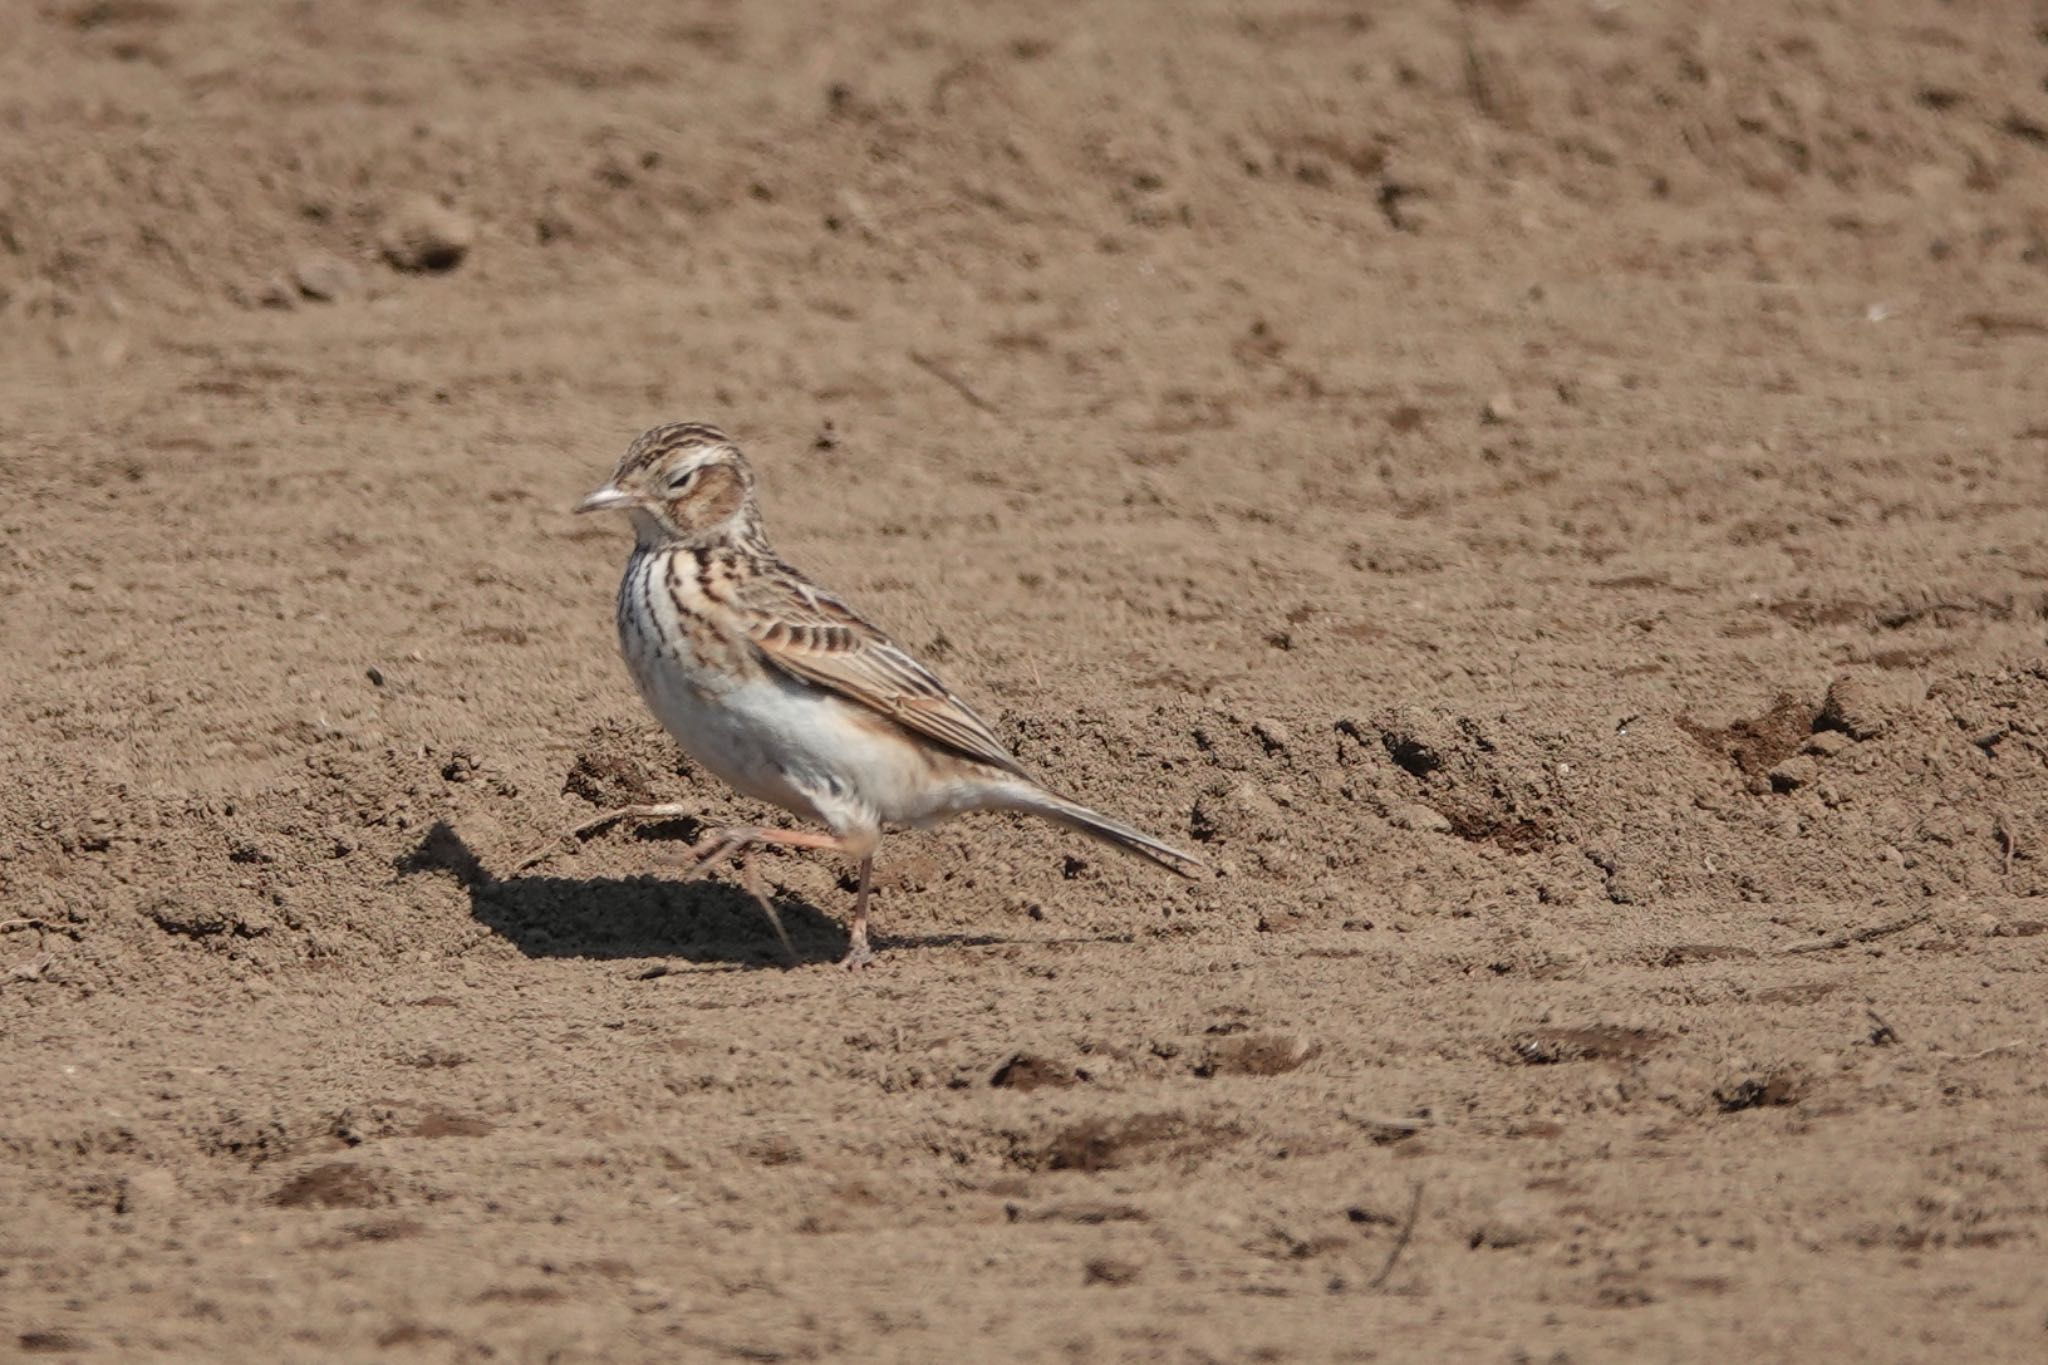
605 499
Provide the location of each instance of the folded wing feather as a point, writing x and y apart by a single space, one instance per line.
811 635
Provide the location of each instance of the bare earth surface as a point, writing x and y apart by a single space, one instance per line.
1550 498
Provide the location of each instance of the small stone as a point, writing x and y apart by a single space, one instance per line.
1241 810
1827 743
375 675
1276 737
1256 1054
1027 1071
1420 818
1794 773
1855 708
277 292
1509 1223
327 279
1989 925
1107 1270
1499 410
423 234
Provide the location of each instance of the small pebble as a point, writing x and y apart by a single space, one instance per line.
1828 743
1794 773
1855 708
327 279
277 292
1276 737
423 234
1499 410
1419 818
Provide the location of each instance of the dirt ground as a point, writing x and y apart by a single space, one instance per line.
1550 498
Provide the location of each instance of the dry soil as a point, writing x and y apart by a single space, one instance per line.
1551 498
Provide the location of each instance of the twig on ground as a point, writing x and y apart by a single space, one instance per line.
1884 1035
1875 931
951 381
1386 1131
1401 1239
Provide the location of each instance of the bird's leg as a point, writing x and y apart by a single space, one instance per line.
750 878
731 845
664 811
724 844
858 954
715 848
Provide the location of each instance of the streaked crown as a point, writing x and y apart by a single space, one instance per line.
683 482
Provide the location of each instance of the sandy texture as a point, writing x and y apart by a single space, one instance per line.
1548 496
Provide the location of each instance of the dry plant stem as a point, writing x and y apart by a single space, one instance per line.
579 832
951 381
1401 1240
1875 931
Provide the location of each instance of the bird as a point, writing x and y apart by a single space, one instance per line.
787 694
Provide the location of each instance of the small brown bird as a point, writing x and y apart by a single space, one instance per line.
780 689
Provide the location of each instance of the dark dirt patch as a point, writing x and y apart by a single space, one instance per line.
1026 1071
442 1124
1759 1092
50 1343
1103 1144
332 1185
1757 745
608 775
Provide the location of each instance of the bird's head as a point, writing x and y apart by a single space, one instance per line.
683 483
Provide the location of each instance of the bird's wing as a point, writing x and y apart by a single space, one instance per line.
813 636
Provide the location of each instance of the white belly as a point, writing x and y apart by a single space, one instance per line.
779 740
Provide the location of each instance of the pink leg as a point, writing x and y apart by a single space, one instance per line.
858 954
718 847
751 880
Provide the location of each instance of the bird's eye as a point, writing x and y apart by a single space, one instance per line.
682 480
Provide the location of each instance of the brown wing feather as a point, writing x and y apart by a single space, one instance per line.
809 634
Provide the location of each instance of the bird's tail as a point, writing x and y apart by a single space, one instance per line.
1038 801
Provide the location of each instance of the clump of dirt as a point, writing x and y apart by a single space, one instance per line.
1771 1090
1592 1042
1026 1071
614 767
1482 794
1256 1054
1758 744
1106 1144
333 1185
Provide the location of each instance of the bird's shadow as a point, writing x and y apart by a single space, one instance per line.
631 917
646 916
